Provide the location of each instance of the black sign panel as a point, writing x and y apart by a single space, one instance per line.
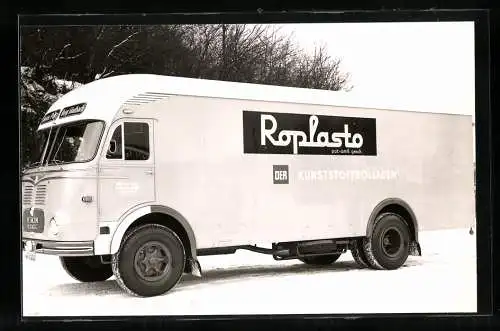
73 110
52 116
285 133
33 220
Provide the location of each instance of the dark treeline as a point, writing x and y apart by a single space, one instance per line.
257 54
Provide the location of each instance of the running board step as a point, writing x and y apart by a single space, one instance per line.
316 247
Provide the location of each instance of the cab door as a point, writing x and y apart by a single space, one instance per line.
126 168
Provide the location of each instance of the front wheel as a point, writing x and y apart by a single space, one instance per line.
388 246
150 261
320 259
86 269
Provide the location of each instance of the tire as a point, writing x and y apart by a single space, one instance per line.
392 226
86 269
320 259
129 264
358 254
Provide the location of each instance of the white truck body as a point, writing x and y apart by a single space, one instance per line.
212 166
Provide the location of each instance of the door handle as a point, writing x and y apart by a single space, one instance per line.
148 172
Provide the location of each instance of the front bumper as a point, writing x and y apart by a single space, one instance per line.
59 248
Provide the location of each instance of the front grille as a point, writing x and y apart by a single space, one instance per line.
35 194
41 193
28 194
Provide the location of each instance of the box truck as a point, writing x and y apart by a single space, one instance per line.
137 176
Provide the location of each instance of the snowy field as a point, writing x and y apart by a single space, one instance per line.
442 280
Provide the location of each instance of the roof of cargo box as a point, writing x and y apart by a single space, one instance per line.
105 96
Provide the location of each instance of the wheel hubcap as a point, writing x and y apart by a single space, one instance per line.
153 261
392 242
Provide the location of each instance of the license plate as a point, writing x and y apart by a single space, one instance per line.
31 256
33 220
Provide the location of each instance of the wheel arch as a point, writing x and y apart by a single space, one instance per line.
156 214
397 206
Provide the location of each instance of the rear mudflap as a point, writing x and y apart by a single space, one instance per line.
415 249
193 267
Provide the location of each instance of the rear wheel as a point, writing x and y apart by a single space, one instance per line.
358 254
150 261
388 245
86 268
320 259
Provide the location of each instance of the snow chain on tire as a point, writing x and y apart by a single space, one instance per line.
115 260
357 253
367 242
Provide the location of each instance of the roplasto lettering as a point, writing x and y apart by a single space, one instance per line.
301 139
285 133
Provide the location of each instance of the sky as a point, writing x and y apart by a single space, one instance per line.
427 65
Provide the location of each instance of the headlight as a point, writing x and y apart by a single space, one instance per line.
29 247
53 228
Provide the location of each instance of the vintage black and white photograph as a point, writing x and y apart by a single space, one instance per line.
241 169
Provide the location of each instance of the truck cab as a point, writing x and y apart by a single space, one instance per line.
60 186
88 153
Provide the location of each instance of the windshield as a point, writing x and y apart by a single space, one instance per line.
75 142
39 143
71 142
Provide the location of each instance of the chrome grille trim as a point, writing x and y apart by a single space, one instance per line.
34 194
41 194
28 194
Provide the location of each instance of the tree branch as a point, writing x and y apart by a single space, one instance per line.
121 43
62 50
101 32
69 57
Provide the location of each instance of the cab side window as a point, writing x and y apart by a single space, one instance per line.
115 145
136 141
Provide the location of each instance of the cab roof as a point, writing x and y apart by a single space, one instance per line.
104 97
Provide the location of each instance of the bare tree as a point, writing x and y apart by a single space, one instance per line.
234 52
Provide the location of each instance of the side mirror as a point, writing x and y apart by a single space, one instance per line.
112 147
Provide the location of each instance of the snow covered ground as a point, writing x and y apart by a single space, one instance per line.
442 280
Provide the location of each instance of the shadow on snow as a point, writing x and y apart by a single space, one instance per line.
225 275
